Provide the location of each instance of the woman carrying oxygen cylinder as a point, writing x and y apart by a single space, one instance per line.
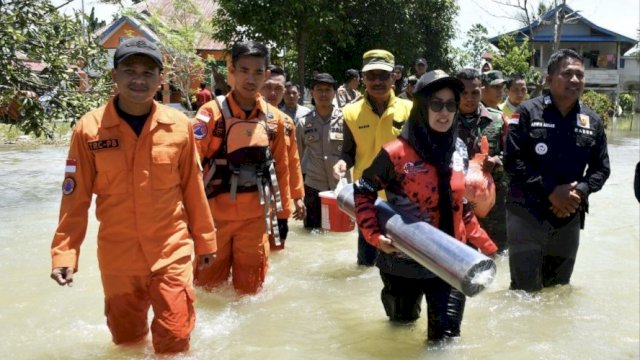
423 174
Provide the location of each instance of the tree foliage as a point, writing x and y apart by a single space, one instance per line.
33 30
331 36
600 103
515 59
476 44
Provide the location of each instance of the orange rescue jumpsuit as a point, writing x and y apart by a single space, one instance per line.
243 248
296 183
152 212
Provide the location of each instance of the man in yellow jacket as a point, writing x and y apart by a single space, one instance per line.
373 120
139 158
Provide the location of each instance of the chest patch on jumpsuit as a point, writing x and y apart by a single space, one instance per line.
104 144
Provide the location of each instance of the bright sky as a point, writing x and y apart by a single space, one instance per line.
621 16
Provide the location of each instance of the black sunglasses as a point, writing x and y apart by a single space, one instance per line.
437 105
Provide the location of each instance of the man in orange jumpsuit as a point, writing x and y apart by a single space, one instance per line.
273 92
139 158
241 141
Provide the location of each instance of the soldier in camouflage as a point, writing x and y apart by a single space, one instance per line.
476 120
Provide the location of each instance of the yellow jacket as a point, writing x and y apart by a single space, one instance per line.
371 131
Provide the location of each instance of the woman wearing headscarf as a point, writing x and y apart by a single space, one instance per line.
422 173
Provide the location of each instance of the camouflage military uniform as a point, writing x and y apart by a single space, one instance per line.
491 123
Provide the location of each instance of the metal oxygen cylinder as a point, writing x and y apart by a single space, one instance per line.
453 261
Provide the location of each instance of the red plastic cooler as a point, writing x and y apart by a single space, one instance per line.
333 219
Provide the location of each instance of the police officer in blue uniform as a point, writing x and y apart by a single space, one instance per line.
556 156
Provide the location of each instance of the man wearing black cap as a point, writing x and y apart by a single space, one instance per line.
139 158
320 137
420 67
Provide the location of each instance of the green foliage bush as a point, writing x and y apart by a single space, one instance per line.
35 30
600 103
627 100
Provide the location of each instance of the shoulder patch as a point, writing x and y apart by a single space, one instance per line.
200 130
68 185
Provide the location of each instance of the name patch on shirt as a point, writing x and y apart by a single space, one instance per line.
583 131
104 144
542 124
363 126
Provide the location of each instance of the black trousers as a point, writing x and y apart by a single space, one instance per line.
367 253
313 218
541 255
402 300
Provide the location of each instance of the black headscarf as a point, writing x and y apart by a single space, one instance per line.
436 148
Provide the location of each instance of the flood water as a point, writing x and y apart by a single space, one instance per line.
316 304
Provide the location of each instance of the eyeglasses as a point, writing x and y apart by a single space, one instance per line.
382 75
437 105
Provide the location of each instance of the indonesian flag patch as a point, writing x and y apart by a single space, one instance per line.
71 166
515 119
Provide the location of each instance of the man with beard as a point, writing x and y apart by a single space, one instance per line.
372 121
475 122
556 156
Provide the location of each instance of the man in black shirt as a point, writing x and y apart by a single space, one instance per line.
556 156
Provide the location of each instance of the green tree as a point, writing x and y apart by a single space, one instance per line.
33 30
513 58
331 36
600 103
179 29
286 24
476 44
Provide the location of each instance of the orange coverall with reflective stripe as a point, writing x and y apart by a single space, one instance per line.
150 204
243 248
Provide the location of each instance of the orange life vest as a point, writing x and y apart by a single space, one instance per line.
244 160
